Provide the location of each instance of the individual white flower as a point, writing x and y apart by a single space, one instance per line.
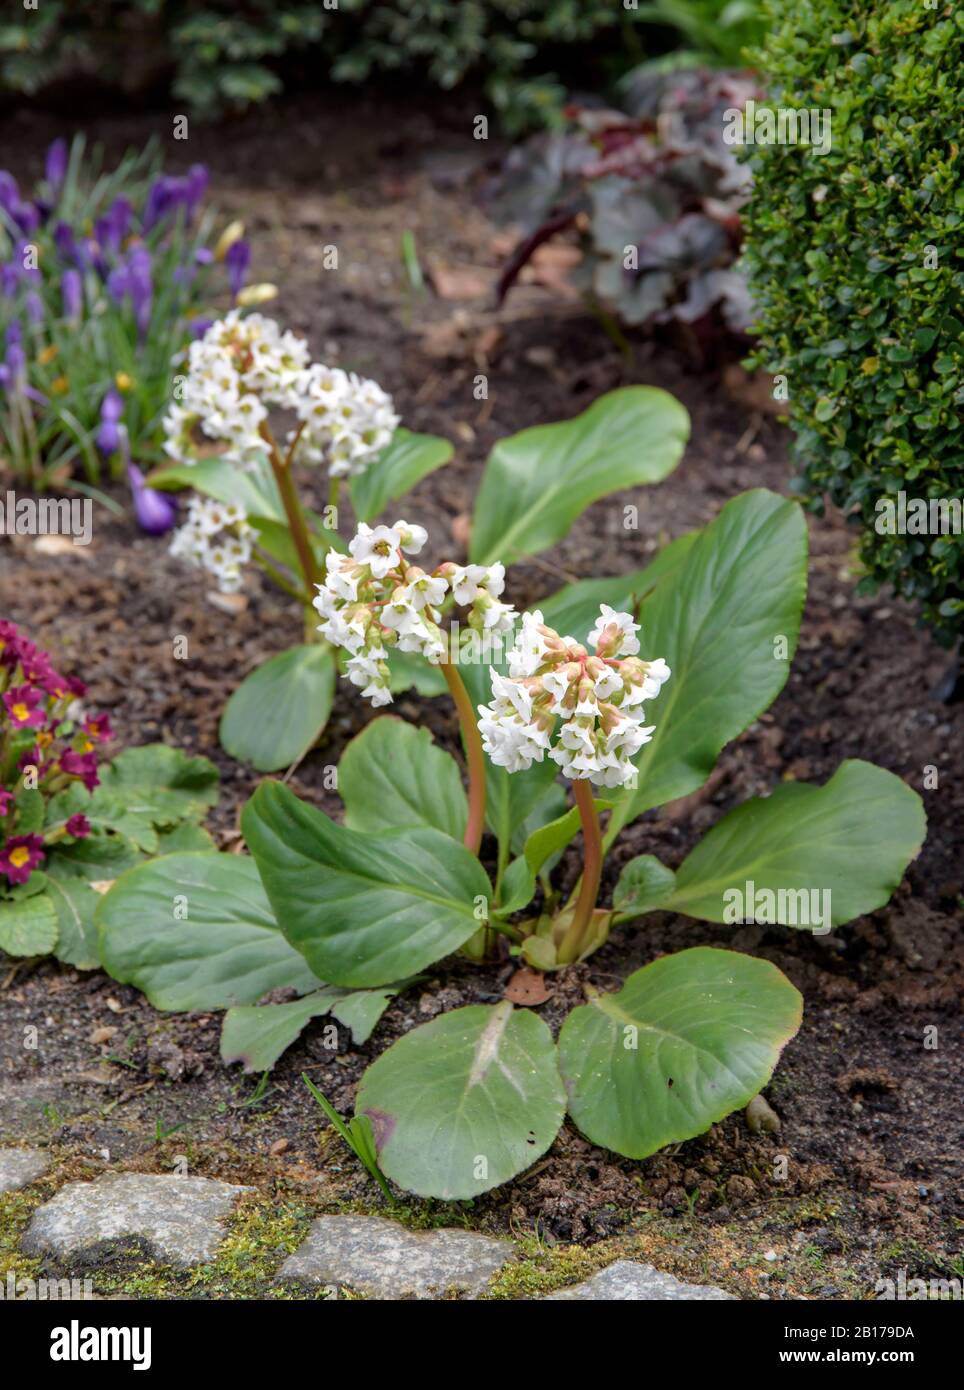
531 646
614 634
378 547
594 700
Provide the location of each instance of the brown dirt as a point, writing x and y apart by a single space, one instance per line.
871 1119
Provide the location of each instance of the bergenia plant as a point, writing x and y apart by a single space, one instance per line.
70 820
628 686
251 411
105 275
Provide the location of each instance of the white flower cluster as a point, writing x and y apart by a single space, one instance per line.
373 598
217 537
597 700
243 366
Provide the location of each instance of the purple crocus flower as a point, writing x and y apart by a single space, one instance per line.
34 306
9 191
108 437
156 512
66 242
9 279
56 166
196 187
237 259
132 279
26 216
71 289
198 327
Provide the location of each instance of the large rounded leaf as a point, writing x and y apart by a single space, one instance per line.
279 710
406 461
195 931
465 1102
686 1041
537 482
363 909
806 856
726 621
392 776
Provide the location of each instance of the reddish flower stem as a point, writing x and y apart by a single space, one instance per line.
571 945
474 755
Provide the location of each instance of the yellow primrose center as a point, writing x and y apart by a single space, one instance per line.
123 381
19 856
21 711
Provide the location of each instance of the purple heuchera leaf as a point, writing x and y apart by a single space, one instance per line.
156 512
56 166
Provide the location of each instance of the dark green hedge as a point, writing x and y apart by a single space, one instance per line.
230 53
855 262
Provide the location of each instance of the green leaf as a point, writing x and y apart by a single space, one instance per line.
186 836
257 1036
825 854
165 781
574 609
687 1040
255 490
718 621
280 709
644 885
363 909
537 483
28 926
391 776
412 671
99 858
553 838
517 888
29 803
465 1102
407 460
226 950
357 1134
75 904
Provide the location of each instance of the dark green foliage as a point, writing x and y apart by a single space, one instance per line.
231 53
855 265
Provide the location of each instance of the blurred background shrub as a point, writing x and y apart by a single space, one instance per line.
217 55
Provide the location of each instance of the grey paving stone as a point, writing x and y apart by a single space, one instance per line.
628 1280
179 1220
20 1166
384 1260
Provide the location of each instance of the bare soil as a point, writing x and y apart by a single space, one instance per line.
870 1116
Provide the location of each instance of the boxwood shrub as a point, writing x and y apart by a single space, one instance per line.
855 262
